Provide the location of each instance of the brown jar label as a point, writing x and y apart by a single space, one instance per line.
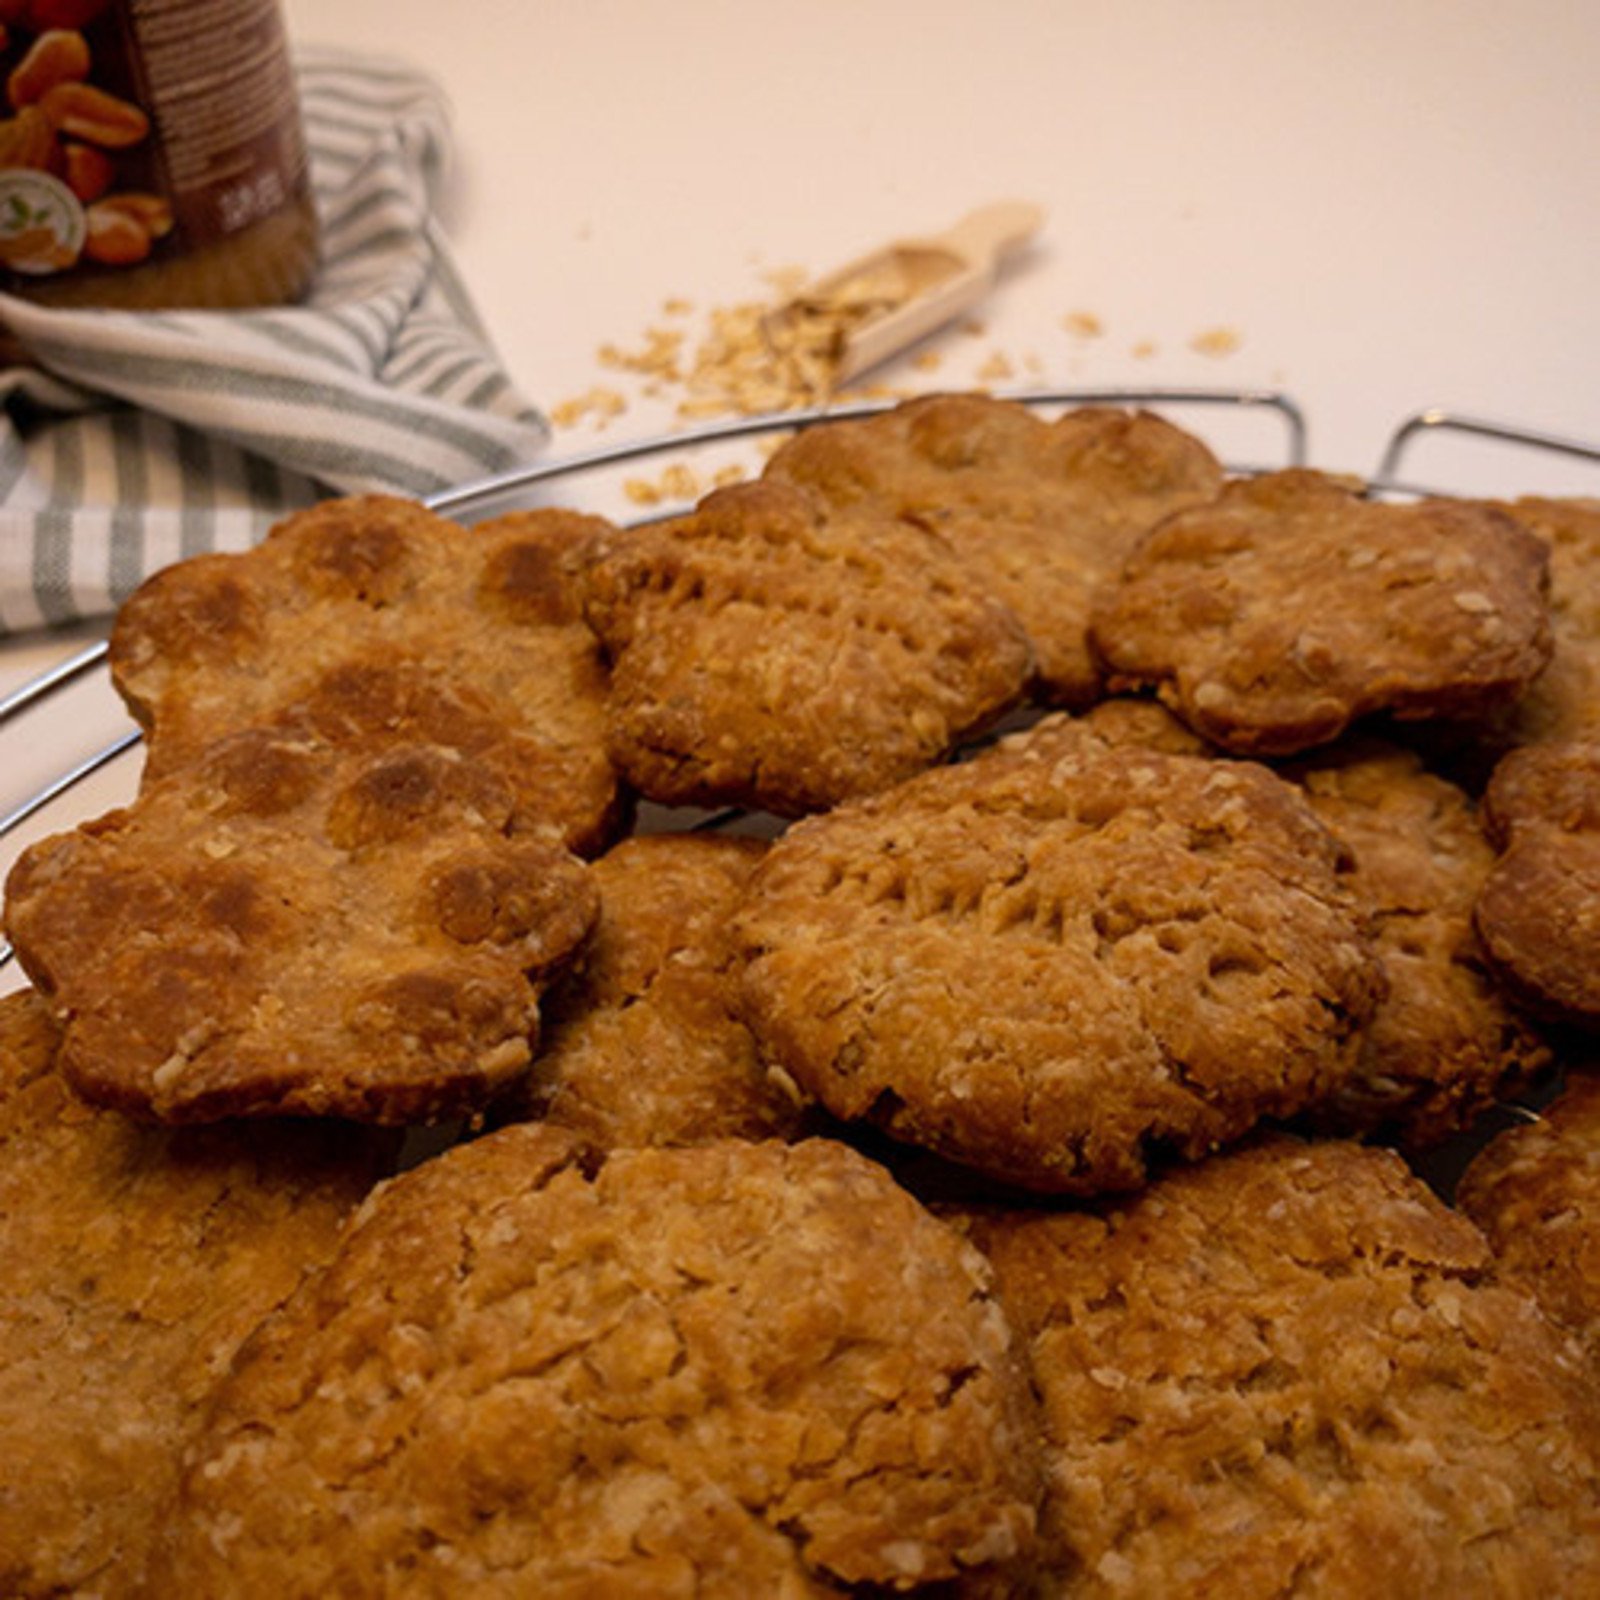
137 130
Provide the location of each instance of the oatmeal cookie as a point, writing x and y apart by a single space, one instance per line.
1289 607
1564 702
771 651
136 1261
1291 1371
641 1045
723 1370
1535 1191
1446 1042
1062 959
368 589
1041 512
1539 909
290 926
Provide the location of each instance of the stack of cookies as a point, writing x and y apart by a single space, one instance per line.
990 1162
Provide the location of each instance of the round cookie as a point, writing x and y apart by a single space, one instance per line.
1535 1191
1539 909
768 650
1039 511
1291 1370
359 591
641 1045
717 1371
137 1259
1445 1043
1289 607
1564 702
1062 960
288 926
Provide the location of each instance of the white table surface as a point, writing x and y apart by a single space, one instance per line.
1375 208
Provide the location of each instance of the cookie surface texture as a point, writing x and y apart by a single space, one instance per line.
355 595
136 1261
1564 702
1040 511
641 1044
1446 1042
286 926
1291 1371
769 651
1535 1191
1539 909
1289 607
1061 959
722 1371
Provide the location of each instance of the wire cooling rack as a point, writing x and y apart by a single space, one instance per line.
1252 430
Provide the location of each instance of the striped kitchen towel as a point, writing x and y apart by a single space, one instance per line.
144 437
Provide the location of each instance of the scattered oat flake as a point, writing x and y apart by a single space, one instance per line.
679 482
1216 342
599 404
1083 325
658 357
758 357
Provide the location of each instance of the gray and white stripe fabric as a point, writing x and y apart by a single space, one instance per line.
144 437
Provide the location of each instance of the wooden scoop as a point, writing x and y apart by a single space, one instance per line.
874 307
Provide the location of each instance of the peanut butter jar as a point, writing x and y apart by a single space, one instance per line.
151 155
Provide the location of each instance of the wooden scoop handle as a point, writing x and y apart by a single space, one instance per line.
984 235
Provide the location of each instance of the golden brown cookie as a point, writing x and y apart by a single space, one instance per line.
351 595
1289 607
1446 1042
1564 702
1127 720
1040 512
641 1044
285 925
721 1371
1535 1191
1291 1371
769 651
1061 959
136 1261
1539 910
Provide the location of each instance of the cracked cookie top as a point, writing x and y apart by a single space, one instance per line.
1289 607
717 1371
1039 511
1062 959
1291 1371
769 650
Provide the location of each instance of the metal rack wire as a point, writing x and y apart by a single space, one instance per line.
571 479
